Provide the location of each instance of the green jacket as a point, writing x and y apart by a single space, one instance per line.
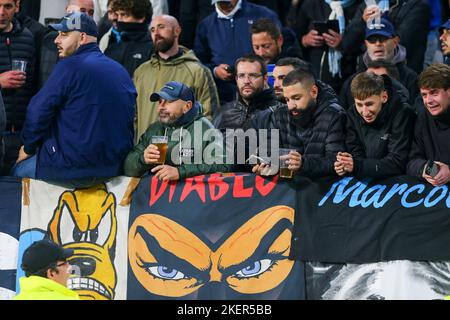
39 288
187 149
152 75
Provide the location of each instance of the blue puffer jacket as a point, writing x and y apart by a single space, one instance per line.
221 40
81 122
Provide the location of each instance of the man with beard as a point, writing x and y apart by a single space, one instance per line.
312 124
379 130
171 62
271 43
445 41
179 118
282 68
79 127
224 36
135 46
254 95
430 146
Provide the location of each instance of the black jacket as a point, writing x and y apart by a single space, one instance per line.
431 141
411 19
238 115
48 57
38 31
318 142
135 48
314 10
380 149
17 44
291 47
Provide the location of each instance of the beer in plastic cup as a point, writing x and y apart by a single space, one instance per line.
162 143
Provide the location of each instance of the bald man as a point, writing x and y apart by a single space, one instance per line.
170 62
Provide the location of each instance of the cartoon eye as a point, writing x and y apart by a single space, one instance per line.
166 273
255 269
101 234
68 231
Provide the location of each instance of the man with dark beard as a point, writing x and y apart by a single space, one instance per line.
254 95
170 62
135 47
312 124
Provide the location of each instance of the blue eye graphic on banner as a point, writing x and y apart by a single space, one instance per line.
211 250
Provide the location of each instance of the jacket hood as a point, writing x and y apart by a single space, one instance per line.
187 56
190 116
326 97
399 56
261 101
17 27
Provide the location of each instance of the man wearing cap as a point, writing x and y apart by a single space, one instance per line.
382 43
48 51
170 62
411 19
46 273
181 120
79 127
445 41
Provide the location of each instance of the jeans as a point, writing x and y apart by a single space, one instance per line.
27 169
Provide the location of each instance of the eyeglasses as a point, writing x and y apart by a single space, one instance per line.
251 76
375 39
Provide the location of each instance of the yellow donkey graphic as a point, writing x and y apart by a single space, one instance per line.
85 220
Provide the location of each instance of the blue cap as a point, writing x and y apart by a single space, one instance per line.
77 21
383 28
174 91
446 25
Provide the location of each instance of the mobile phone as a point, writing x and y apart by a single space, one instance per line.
320 26
259 160
333 25
431 168
230 69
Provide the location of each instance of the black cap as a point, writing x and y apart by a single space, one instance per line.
41 254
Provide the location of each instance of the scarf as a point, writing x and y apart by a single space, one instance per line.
231 14
337 12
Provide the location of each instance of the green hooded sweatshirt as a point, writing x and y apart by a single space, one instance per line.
189 150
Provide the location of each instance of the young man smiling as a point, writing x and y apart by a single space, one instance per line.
432 130
379 129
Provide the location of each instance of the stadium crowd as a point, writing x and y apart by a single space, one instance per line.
357 87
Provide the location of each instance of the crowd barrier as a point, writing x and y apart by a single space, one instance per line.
236 236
